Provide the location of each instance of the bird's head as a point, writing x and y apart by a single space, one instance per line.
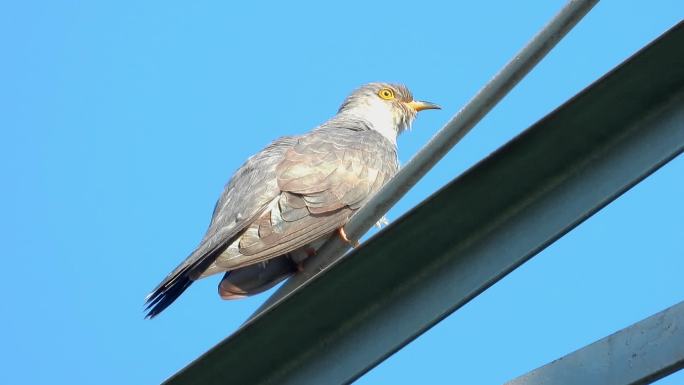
390 108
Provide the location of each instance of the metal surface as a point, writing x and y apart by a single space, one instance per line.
441 143
468 235
640 354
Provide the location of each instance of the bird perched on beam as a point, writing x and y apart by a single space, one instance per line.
286 200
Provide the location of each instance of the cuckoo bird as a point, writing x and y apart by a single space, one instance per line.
286 200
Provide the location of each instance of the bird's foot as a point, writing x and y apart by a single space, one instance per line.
343 236
383 221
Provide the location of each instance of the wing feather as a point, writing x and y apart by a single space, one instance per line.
244 199
323 179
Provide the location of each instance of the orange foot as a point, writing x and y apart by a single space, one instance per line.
343 236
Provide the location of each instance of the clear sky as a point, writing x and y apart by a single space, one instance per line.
121 121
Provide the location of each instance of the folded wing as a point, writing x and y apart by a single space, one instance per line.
322 180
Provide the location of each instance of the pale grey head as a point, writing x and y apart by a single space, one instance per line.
389 108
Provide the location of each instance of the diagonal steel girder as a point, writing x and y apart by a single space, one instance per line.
639 354
468 235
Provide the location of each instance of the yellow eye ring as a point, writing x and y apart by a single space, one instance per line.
386 94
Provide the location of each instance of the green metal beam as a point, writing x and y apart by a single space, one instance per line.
640 354
468 235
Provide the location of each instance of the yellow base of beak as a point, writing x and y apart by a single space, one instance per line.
420 105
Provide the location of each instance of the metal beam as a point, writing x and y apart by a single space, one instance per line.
440 144
468 235
640 354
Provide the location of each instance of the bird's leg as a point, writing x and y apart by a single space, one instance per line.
343 236
310 252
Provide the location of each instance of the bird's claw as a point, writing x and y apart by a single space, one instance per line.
383 221
343 236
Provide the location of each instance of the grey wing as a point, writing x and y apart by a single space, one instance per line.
323 179
244 198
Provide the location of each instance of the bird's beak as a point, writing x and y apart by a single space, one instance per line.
420 106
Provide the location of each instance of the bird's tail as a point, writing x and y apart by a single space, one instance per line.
168 291
180 279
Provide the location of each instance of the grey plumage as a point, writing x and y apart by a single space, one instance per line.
297 191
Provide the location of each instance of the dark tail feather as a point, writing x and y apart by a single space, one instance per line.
180 279
164 295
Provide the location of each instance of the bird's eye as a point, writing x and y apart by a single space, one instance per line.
386 94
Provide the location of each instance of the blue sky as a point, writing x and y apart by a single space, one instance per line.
121 121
